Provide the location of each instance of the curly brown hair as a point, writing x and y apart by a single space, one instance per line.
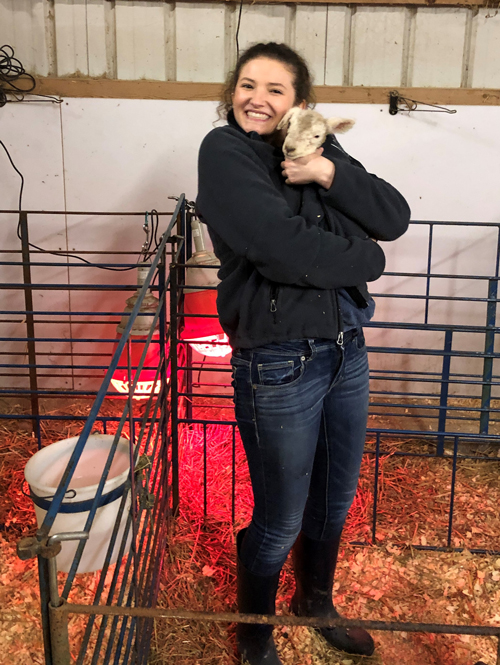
302 79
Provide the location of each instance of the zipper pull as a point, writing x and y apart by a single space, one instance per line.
340 339
273 306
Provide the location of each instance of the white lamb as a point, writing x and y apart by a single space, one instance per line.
306 131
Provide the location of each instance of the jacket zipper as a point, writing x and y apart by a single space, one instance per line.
274 301
340 335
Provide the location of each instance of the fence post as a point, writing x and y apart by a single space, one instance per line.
174 389
30 324
489 348
445 387
59 635
43 580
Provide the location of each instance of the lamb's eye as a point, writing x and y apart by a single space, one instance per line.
317 136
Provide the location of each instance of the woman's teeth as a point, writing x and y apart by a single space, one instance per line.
257 116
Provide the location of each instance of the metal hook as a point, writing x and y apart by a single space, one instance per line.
411 105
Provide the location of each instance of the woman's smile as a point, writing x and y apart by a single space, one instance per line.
263 94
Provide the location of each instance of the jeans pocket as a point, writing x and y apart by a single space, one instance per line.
273 373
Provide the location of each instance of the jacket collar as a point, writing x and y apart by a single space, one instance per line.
273 154
231 120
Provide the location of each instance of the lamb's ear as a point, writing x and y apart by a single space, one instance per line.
283 123
340 125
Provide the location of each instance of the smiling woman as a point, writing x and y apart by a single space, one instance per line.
263 94
296 244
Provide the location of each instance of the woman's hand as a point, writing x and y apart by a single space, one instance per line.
311 168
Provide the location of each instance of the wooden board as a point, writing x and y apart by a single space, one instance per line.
200 42
28 27
140 39
377 45
485 49
105 88
71 37
337 66
437 57
96 37
414 3
310 38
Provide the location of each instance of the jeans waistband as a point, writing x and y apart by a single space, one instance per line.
305 346
321 343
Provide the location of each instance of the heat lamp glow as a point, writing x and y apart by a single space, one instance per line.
148 381
142 390
212 345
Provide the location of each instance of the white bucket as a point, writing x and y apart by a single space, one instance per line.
43 473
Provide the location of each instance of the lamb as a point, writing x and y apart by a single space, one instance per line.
306 131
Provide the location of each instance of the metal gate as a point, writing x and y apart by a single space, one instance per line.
118 628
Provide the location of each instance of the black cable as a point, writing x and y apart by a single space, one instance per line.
18 172
11 70
153 238
40 249
12 73
238 31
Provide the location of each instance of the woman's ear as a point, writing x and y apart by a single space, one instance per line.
303 104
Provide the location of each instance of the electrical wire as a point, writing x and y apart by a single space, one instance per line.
11 70
68 254
12 73
18 172
147 251
238 31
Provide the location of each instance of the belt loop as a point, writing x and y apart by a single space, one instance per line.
312 347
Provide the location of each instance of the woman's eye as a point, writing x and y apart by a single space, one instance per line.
246 85
279 92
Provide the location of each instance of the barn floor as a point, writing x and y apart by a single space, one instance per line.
390 581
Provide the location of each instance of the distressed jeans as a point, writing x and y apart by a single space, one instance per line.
301 408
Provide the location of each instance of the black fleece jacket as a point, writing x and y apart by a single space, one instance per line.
284 250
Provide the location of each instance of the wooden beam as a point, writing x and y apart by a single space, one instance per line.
441 96
118 89
114 89
390 3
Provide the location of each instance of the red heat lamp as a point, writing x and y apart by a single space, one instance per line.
205 335
148 381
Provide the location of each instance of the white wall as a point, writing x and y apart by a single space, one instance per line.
196 41
122 155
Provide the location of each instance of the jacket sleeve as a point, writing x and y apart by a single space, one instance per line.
237 199
373 204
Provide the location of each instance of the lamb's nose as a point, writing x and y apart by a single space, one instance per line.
290 149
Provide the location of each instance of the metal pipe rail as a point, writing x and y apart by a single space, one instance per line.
60 616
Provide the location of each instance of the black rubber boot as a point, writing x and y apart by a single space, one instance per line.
256 595
314 563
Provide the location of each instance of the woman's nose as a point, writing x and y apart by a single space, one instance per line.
259 97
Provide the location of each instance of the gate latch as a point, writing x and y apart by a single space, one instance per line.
30 547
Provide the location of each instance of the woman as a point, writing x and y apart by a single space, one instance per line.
296 241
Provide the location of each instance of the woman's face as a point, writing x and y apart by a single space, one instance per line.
264 93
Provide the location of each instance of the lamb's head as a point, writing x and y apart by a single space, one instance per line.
306 131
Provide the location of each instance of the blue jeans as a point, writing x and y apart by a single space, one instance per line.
301 408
